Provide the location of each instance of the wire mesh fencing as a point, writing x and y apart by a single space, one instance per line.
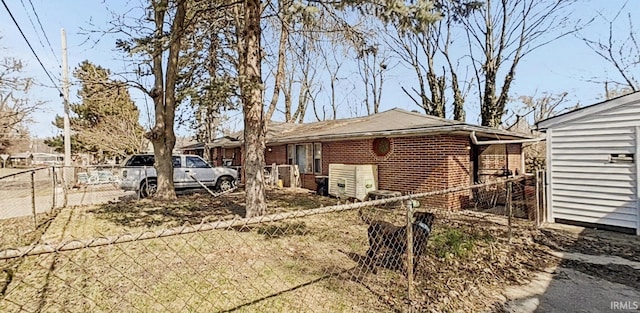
379 255
301 261
56 187
28 192
87 185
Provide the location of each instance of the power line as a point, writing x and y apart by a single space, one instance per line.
44 33
30 47
32 24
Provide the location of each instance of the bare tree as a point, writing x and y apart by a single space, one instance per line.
158 48
530 110
427 50
410 47
210 87
15 106
285 17
255 123
333 64
621 51
156 36
500 34
373 64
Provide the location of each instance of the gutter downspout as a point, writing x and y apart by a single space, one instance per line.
475 141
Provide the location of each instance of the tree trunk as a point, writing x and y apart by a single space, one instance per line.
491 115
254 123
162 135
458 99
279 77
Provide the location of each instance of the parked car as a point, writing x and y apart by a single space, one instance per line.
139 174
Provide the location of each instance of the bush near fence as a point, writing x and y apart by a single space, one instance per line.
300 260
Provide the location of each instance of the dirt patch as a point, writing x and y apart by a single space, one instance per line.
615 273
479 262
570 242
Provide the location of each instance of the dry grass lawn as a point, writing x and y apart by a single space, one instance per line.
309 264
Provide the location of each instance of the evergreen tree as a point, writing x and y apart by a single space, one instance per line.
105 121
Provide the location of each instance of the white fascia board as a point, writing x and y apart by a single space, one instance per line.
588 110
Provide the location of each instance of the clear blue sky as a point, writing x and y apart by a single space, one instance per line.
564 65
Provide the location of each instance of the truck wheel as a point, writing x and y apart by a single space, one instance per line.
148 188
224 183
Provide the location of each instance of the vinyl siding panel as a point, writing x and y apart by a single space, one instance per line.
586 186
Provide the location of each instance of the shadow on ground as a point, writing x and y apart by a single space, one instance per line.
199 207
599 271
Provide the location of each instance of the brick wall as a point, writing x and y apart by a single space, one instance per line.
308 181
414 164
218 154
515 158
278 155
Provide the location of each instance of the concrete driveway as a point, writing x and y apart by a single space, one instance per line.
597 282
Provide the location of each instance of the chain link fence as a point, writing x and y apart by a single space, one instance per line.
28 192
379 255
40 190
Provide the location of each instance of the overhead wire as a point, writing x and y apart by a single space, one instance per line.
31 47
55 56
35 30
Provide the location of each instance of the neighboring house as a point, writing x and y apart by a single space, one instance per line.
50 159
193 149
413 152
223 151
592 164
21 159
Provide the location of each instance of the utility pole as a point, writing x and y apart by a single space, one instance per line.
65 95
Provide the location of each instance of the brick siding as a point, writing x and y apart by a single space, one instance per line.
278 155
414 164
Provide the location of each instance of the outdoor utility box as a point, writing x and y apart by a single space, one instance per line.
352 180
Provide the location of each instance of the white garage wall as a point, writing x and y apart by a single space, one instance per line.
585 185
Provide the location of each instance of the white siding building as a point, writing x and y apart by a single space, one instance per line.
592 164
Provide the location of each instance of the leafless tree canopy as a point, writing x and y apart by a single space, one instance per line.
496 35
621 50
15 105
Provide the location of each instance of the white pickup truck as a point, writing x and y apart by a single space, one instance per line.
139 174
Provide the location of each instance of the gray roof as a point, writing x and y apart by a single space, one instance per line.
195 146
392 123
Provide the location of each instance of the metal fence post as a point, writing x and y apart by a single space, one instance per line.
53 187
410 256
33 199
537 191
65 189
509 206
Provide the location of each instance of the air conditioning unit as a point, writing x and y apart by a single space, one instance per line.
352 180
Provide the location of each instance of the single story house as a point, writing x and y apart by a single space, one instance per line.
49 159
592 164
413 152
193 149
24 159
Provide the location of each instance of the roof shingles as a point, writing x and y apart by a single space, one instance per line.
394 122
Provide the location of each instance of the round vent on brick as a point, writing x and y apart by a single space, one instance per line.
381 146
